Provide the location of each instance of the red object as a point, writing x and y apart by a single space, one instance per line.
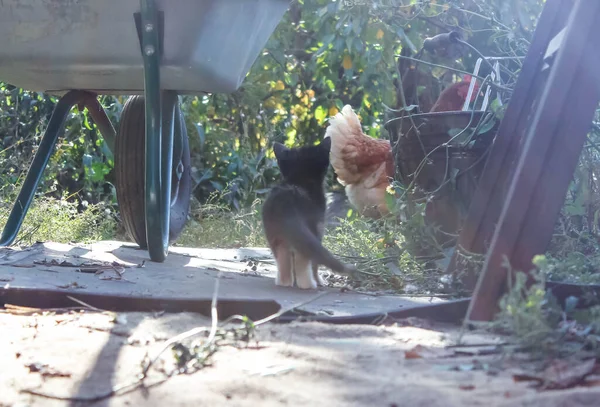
454 96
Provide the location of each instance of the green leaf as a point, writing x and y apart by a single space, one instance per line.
349 41
487 126
320 114
358 45
201 134
328 39
402 34
86 122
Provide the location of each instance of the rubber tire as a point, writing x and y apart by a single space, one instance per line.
130 172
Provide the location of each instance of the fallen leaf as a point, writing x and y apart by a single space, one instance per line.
525 377
421 351
414 353
561 374
45 370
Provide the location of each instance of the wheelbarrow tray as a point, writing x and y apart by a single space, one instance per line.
58 45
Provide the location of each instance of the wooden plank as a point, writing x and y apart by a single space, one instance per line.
550 154
487 202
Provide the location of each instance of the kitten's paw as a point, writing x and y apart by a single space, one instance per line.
306 283
284 282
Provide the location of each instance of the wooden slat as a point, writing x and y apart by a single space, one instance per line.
550 154
487 201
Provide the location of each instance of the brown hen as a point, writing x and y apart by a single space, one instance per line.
364 165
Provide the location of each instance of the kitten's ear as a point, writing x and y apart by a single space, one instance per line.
279 149
326 144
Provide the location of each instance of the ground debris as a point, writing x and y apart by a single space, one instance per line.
45 370
420 352
561 374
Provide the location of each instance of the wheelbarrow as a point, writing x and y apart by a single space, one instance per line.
154 50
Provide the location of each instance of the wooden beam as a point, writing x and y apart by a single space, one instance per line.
486 205
551 152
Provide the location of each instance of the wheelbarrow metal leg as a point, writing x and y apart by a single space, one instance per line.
99 116
38 165
177 165
158 164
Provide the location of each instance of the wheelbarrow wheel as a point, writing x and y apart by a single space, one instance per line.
130 172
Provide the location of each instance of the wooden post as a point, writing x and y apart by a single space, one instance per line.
487 201
551 151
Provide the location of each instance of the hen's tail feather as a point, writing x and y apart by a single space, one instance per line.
344 129
354 155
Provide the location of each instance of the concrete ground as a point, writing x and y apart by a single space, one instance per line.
69 357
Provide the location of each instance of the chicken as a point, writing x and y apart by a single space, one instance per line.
364 165
454 96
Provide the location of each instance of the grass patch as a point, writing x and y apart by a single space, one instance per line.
59 221
539 325
213 225
383 254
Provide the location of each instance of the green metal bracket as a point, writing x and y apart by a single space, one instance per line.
159 149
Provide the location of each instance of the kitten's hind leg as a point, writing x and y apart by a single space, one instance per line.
284 277
303 271
316 275
320 231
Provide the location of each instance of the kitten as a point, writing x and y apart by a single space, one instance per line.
294 216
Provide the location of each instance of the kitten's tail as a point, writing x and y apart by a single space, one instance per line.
307 244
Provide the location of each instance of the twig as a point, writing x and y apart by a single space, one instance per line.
86 305
192 332
17 309
492 84
139 382
127 387
112 392
477 345
283 311
405 106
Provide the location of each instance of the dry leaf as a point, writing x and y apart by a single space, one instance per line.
45 370
414 353
561 374
421 351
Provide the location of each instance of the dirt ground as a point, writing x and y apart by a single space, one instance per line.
84 354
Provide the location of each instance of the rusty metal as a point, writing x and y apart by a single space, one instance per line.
102 121
552 146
